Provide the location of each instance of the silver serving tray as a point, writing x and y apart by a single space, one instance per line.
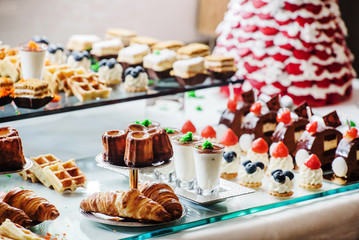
123 222
27 165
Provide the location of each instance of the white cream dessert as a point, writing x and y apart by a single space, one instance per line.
79 60
188 67
207 158
123 34
230 165
281 183
133 54
107 48
32 58
251 174
136 79
310 173
56 54
258 151
110 71
160 60
80 42
280 158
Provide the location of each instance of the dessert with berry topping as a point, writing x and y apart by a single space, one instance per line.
281 183
281 159
133 55
188 127
40 39
136 79
193 50
81 42
56 54
106 49
345 164
110 71
310 173
230 165
251 174
189 71
230 141
233 116
79 59
220 67
208 133
258 151
159 63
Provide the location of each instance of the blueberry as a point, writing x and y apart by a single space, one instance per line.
86 54
110 64
279 177
277 170
229 156
60 47
289 174
140 69
40 39
251 168
51 49
112 60
78 56
103 62
128 71
259 164
135 73
246 162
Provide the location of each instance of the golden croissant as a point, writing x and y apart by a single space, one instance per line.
15 215
37 208
128 204
164 195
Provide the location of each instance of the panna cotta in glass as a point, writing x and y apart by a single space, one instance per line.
167 173
207 159
183 159
32 58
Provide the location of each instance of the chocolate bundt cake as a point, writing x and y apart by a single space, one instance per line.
114 143
11 155
162 147
139 149
134 127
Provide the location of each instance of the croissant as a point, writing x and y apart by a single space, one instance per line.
164 195
37 208
10 230
15 215
128 204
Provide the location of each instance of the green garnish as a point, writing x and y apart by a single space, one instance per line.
168 130
192 94
351 123
157 52
145 122
188 137
151 82
199 108
95 67
8 175
207 145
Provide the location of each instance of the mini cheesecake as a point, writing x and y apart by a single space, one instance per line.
80 42
189 71
159 63
123 34
56 54
193 50
106 49
110 71
220 67
136 79
79 60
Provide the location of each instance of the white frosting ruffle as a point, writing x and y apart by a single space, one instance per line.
285 187
284 163
309 176
257 157
255 177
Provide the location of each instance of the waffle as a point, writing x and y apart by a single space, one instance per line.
40 163
66 175
87 87
28 175
10 230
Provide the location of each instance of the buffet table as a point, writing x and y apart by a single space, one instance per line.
78 135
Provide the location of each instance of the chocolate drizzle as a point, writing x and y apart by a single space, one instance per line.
348 151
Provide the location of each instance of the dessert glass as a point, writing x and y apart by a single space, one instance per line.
207 165
184 161
32 60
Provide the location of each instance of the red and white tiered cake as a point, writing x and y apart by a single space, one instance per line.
293 47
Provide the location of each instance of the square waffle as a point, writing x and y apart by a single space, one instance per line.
40 163
87 87
66 175
28 175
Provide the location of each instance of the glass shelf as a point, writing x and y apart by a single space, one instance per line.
75 226
164 87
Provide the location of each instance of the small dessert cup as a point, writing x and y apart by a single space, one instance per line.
32 58
207 159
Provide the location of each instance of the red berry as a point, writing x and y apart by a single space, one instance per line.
280 150
229 138
351 133
232 105
284 116
259 146
256 108
312 162
188 127
312 127
208 132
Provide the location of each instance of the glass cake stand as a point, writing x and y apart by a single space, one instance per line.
28 164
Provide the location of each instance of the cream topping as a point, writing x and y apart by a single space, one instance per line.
133 54
285 187
110 76
140 82
161 61
257 157
59 57
231 167
309 176
84 63
284 163
108 47
255 177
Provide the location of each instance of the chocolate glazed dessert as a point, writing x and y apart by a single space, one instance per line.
234 120
11 155
290 133
139 150
323 143
114 143
349 151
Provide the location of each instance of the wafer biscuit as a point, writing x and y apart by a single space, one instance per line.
277 194
229 175
250 185
308 186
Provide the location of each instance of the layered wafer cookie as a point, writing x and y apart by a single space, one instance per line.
39 163
65 176
33 88
218 63
124 34
193 50
143 40
173 45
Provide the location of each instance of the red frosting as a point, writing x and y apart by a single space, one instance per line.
351 133
259 146
312 162
188 127
280 150
256 108
232 105
208 132
284 116
229 138
312 127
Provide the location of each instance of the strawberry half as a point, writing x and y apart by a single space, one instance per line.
284 116
312 162
280 150
229 138
208 132
232 105
256 108
351 133
188 127
259 146
312 127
